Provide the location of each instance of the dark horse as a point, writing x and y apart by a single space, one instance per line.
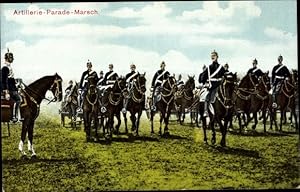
165 104
222 107
33 95
284 99
90 108
110 104
242 97
69 106
184 98
260 100
136 102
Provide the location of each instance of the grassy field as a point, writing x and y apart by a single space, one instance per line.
66 162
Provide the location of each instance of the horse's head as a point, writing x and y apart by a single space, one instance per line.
249 81
92 85
56 87
294 77
228 86
265 81
141 83
120 86
169 84
190 83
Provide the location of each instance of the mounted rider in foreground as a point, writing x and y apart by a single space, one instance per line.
8 84
212 77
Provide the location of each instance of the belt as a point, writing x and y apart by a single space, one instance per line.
216 79
279 77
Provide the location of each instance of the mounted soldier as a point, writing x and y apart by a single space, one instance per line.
8 84
226 67
213 75
68 90
83 85
130 78
179 82
279 73
255 70
157 81
101 77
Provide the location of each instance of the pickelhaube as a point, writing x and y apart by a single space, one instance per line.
89 62
280 57
255 61
101 72
226 65
214 52
9 56
132 66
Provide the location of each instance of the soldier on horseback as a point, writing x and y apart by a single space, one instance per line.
213 74
83 85
179 82
130 77
226 67
157 81
279 73
8 84
255 70
110 77
68 90
101 77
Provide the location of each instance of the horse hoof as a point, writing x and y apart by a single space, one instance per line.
24 157
33 157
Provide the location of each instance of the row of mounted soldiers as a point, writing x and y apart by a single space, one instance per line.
210 78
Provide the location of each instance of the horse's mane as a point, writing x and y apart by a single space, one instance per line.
41 81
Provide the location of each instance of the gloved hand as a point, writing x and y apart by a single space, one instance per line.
79 91
151 89
7 96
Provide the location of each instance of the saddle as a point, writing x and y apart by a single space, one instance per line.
6 109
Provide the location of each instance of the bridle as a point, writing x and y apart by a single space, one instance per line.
122 91
224 100
138 87
57 89
248 91
170 91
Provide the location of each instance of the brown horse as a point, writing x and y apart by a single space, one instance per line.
222 108
110 105
136 103
33 95
260 100
165 104
242 97
284 99
184 98
90 108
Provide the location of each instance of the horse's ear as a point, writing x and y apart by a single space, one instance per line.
144 73
267 73
193 76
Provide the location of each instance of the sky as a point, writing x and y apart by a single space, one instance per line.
182 33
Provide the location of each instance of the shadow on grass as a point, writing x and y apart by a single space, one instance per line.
236 151
27 160
252 133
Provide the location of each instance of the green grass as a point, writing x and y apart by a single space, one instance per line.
66 162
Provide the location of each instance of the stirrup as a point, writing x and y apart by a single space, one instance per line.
153 108
14 119
124 110
205 114
274 105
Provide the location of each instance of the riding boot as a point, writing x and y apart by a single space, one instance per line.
274 104
153 107
124 110
15 112
205 113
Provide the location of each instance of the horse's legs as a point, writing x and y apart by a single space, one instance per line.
162 114
282 113
166 120
151 119
125 121
133 122
264 119
238 114
296 120
138 122
23 135
204 128
118 116
212 126
30 138
255 120
223 128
